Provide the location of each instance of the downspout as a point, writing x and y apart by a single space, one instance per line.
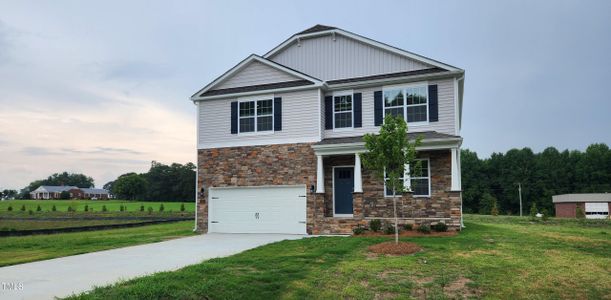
458 116
196 160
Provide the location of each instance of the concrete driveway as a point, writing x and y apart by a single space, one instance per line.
61 277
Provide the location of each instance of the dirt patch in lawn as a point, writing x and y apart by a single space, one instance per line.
459 289
390 248
409 234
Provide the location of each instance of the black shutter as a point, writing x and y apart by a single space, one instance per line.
378 108
433 104
277 114
328 112
234 117
358 113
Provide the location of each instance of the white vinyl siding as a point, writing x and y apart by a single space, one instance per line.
299 122
328 59
446 124
254 74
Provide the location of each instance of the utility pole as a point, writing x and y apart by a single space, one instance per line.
520 194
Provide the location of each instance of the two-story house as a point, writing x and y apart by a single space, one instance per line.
279 137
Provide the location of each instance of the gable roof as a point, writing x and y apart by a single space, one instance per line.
54 188
206 91
319 30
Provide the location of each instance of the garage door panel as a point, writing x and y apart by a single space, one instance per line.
277 209
597 210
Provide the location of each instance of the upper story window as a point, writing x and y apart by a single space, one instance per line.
419 183
342 111
256 115
409 102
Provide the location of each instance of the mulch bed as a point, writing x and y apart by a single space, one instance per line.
410 233
390 248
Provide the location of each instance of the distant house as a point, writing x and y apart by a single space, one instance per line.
54 192
595 206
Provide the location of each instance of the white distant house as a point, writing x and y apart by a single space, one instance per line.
54 192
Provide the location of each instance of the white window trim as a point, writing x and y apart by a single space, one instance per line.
407 179
333 187
255 99
403 87
338 94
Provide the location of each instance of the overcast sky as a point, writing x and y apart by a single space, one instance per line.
102 87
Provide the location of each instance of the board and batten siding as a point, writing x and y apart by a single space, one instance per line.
445 124
255 73
300 122
344 57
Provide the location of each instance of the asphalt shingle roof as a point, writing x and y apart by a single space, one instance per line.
260 87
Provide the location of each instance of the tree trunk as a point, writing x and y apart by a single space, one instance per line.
394 204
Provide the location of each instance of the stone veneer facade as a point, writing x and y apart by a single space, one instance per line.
291 164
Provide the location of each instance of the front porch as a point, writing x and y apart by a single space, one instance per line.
347 195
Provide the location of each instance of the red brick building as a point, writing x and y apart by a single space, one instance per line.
595 206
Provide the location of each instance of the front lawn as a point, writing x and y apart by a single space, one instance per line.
46 206
21 249
510 259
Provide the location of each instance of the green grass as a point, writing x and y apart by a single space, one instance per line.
16 250
493 258
96 205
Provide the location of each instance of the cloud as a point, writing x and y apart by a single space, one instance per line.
101 150
40 151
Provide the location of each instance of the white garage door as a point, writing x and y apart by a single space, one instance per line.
270 209
599 210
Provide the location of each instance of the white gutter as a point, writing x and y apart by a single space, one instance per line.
267 91
196 161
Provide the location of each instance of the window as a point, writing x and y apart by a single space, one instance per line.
411 102
256 116
419 183
342 111
387 189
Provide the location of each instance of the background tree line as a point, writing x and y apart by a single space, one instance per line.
495 179
175 182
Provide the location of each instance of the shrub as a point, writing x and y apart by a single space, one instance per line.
86 207
533 211
141 207
545 214
440 227
104 208
30 212
53 208
389 228
358 230
23 207
10 208
375 225
408 227
579 213
494 210
150 210
69 209
424 228
161 208
64 195
182 208
121 208
38 208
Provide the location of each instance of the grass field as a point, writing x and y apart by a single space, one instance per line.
96 205
494 258
16 250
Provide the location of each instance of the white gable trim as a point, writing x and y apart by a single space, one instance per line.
363 40
244 63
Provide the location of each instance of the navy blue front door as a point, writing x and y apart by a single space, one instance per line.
344 185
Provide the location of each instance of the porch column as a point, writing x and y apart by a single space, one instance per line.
320 175
358 181
455 170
